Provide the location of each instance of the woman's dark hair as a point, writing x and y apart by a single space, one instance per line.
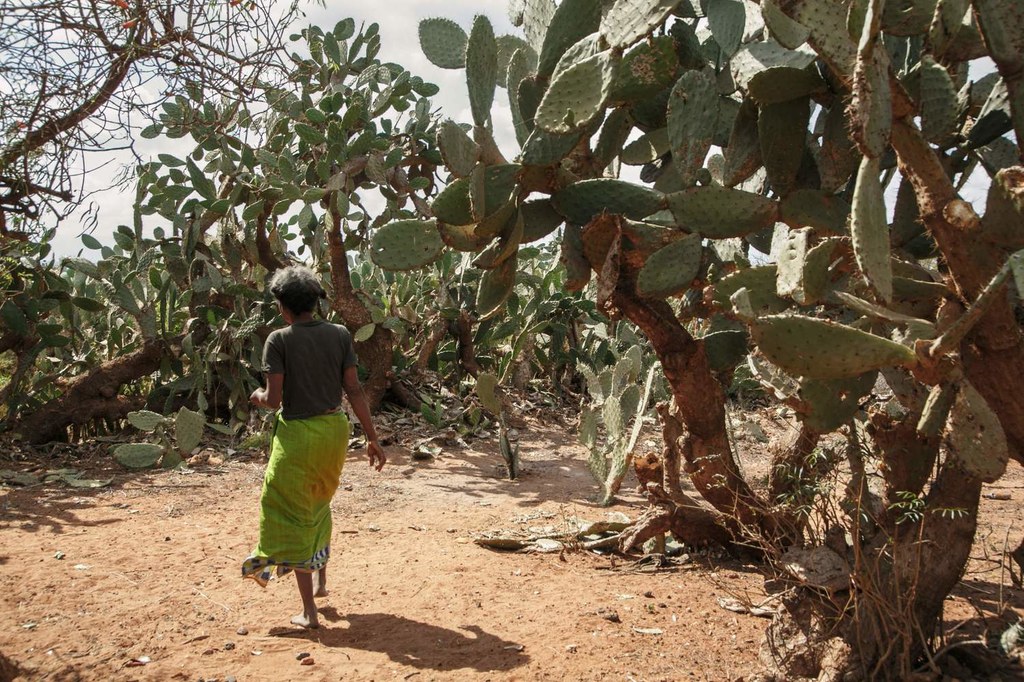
296 288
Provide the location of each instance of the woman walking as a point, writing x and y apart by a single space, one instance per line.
307 365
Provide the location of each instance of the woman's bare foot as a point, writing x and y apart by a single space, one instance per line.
321 592
302 620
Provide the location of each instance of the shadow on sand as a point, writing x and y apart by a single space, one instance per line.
409 642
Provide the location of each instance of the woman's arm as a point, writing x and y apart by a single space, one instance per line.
269 397
357 399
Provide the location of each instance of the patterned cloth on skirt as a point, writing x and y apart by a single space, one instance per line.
306 459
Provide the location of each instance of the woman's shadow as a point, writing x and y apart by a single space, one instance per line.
415 644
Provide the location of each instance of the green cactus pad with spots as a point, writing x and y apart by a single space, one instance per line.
814 208
452 205
782 128
138 455
787 32
188 429
727 20
573 20
870 230
576 95
838 157
481 69
692 119
406 244
491 188
581 201
495 287
508 46
820 349
975 437
519 68
545 149
725 349
646 148
539 219
760 285
627 21
671 269
645 70
721 212
743 152
458 150
443 42
939 105
827 404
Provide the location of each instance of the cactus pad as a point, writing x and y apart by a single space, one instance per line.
443 42
870 230
782 129
144 420
645 70
495 287
790 261
581 201
627 21
727 20
458 150
487 392
519 69
406 244
692 121
787 32
646 148
743 151
572 21
725 349
825 405
939 106
577 268
576 95
481 69
188 429
820 349
823 211
507 46
539 219
974 436
546 149
452 206
671 270
760 285
138 455
721 212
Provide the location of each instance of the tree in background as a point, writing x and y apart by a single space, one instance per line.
87 76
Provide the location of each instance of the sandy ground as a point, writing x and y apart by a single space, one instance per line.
150 568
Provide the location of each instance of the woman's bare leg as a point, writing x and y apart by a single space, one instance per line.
320 583
308 617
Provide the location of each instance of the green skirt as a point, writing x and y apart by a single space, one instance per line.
306 459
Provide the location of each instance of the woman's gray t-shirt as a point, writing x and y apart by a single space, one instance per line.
313 357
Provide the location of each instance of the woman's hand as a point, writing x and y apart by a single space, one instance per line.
258 397
376 455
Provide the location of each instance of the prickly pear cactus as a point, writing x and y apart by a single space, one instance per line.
617 406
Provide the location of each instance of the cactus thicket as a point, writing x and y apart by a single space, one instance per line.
827 114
